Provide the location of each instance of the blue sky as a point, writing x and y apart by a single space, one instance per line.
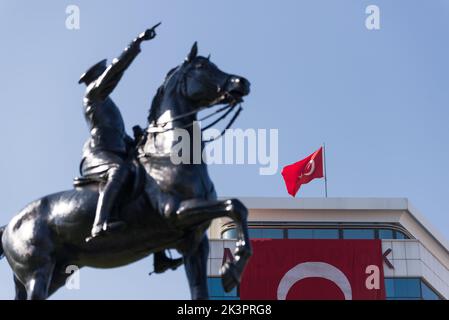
379 99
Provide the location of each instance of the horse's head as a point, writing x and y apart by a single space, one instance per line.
203 83
196 84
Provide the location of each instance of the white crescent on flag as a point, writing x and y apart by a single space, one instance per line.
314 270
310 169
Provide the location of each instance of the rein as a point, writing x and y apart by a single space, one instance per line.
226 109
230 123
156 128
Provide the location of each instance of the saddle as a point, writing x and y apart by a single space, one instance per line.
136 180
96 179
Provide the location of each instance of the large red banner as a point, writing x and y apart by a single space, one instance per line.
314 269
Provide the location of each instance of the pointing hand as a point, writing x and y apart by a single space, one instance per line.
149 33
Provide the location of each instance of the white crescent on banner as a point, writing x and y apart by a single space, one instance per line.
314 270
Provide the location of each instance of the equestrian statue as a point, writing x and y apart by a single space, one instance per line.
132 200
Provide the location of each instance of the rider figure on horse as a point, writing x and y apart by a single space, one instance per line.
109 150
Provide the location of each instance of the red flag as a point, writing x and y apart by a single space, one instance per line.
303 171
314 270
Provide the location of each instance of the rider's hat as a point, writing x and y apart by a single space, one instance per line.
94 72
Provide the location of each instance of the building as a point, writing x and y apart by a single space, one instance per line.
334 248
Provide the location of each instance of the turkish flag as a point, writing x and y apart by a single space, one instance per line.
306 269
303 171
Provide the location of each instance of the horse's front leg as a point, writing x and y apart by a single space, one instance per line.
194 213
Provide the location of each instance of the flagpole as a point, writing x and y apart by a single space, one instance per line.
325 169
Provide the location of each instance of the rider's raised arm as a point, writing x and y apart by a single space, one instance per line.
107 82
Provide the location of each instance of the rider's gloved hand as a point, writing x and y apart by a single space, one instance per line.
148 34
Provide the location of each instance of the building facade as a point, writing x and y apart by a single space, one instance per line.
334 248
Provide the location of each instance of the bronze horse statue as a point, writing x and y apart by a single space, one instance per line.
168 206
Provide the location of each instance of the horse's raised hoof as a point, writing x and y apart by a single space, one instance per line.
236 206
230 277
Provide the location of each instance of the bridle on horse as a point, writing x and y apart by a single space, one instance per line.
226 110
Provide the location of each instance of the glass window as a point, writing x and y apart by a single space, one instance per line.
224 298
216 289
389 288
255 233
325 234
258 233
407 288
400 235
358 234
404 298
229 234
273 233
313 234
300 234
386 234
403 288
428 293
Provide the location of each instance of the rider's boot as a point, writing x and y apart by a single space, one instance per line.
162 263
104 223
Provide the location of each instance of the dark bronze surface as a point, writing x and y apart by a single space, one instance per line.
163 205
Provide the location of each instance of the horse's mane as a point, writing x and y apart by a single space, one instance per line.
156 102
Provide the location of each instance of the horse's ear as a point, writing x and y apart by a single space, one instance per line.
193 52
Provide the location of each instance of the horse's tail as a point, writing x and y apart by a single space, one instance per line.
1 246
